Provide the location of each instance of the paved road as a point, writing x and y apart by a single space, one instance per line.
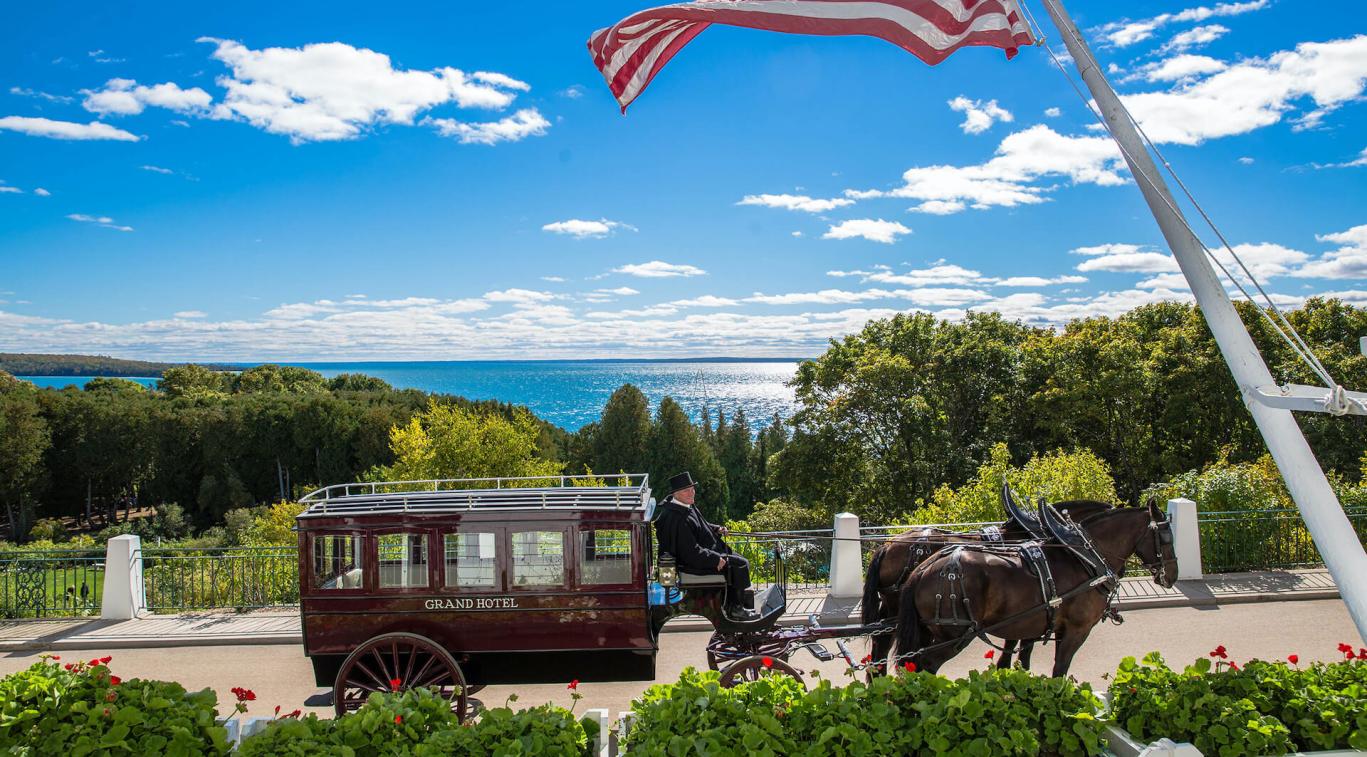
281 675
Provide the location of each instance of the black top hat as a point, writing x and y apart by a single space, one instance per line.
680 482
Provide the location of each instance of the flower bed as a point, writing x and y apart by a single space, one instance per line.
1258 708
991 712
80 708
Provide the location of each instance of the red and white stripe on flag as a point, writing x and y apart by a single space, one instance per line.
632 52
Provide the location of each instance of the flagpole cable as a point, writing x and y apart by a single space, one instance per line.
1297 345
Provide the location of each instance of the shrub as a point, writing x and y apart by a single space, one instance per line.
990 712
387 724
544 730
1056 476
274 526
48 529
80 708
1261 708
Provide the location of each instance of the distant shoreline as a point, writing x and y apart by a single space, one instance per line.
98 366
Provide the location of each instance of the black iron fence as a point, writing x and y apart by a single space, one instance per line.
1262 540
806 557
238 578
51 583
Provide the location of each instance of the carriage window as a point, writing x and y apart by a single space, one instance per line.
337 562
403 560
606 555
470 559
538 558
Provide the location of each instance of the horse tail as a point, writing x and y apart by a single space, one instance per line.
908 622
872 609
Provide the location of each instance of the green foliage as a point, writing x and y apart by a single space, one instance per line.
988 713
448 441
1056 476
1230 487
78 365
677 445
501 732
24 439
274 526
279 378
194 381
420 723
1261 708
358 382
50 709
48 529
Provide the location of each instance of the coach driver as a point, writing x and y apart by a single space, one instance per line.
698 548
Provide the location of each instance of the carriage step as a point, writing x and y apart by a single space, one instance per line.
819 652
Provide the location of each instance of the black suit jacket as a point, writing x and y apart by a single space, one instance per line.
682 532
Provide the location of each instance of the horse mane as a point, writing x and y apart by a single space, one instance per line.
1078 509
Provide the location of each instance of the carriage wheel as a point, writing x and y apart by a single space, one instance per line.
740 650
754 668
416 662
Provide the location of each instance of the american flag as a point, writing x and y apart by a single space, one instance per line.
634 50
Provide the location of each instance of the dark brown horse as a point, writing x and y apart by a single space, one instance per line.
1003 599
894 560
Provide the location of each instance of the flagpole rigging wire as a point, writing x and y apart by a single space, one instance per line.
1293 339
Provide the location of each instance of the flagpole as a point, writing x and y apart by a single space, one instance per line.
1324 517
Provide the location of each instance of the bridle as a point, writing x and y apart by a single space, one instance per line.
1162 535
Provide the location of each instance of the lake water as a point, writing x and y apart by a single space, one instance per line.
572 393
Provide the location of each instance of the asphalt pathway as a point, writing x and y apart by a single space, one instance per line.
279 674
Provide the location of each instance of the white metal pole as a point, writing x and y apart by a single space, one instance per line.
1324 517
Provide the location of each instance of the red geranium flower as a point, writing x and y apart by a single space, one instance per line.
768 662
243 695
1345 648
574 685
394 683
1220 652
1233 665
867 659
110 696
1362 654
56 657
910 666
115 680
294 714
1293 659
94 662
398 719
106 712
105 660
990 654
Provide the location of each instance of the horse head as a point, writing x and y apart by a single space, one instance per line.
1156 550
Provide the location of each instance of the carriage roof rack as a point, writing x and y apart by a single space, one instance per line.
623 491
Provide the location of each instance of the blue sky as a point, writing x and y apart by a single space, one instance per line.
294 181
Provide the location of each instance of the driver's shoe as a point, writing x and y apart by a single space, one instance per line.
741 614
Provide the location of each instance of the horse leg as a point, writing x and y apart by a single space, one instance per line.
1008 649
1026 648
1070 640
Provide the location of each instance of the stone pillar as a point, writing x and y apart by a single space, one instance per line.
1186 538
847 560
123 596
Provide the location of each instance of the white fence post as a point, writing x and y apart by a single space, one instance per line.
600 744
123 597
1186 538
847 561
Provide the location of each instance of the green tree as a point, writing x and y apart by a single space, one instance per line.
677 446
193 381
621 438
24 438
357 382
279 378
447 441
735 452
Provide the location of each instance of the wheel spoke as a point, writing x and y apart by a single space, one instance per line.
379 683
417 678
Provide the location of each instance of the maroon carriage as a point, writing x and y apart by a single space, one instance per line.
462 583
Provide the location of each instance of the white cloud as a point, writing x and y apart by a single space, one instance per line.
527 122
331 91
190 314
1038 281
1359 161
1347 262
619 291
573 92
10 190
581 229
125 97
1197 37
938 207
1125 258
100 56
1257 92
554 279
938 274
102 221
158 169
1180 68
705 301
24 92
42 192
797 233
1052 112
46 127
1007 179
1126 33
978 115
1245 161
1355 297
658 269
795 202
874 230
